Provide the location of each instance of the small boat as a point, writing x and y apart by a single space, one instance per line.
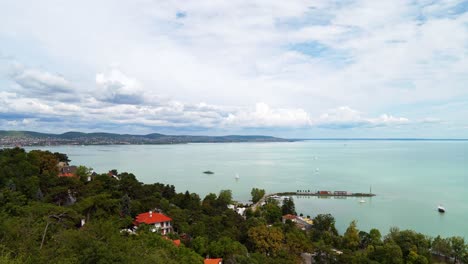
237 176
362 201
208 172
441 209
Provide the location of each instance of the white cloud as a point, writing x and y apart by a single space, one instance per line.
39 83
368 55
345 117
26 122
116 87
265 116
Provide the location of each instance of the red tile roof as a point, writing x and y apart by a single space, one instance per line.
289 216
155 218
176 242
213 261
66 175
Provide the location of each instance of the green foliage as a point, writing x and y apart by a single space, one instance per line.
288 206
83 172
266 240
271 212
257 194
351 237
224 198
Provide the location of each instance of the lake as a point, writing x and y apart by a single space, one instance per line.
410 178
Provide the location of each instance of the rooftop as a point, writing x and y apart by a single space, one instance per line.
213 261
152 218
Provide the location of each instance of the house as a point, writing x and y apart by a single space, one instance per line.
113 174
304 223
237 209
288 217
301 222
67 171
176 242
160 221
213 261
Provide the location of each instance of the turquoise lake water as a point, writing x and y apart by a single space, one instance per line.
410 178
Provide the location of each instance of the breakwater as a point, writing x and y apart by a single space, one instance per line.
325 193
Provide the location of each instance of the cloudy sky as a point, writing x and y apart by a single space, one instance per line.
294 68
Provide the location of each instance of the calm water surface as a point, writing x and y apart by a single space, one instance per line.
410 178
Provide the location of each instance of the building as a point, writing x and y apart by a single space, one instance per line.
67 171
300 222
161 222
237 209
304 223
176 242
340 193
213 261
289 217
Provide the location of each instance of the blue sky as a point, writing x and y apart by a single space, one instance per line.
361 68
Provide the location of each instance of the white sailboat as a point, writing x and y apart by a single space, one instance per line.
237 176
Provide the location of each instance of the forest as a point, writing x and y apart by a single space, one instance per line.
45 218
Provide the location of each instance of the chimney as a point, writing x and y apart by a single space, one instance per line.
150 213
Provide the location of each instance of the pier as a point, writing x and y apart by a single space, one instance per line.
309 193
324 193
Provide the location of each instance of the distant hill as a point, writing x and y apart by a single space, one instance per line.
29 138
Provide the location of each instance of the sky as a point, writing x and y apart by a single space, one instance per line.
311 69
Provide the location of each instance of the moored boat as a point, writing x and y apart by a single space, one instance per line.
441 209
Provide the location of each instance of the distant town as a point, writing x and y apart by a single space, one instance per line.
28 138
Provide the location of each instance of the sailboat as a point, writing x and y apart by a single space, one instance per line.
362 201
237 176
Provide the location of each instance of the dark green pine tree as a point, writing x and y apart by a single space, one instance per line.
125 205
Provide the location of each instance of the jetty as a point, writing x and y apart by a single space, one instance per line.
325 193
309 193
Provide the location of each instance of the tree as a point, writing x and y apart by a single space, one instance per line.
98 206
125 205
226 247
257 194
351 236
83 172
389 253
45 160
442 246
288 206
414 258
200 245
209 204
266 240
271 212
408 241
224 198
325 222
375 237
61 157
297 242
458 247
